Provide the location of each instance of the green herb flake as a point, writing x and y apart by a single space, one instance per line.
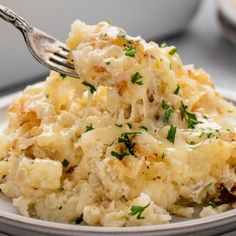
65 163
201 134
118 125
163 155
129 125
79 220
143 127
60 207
190 117
173 51
89 128
125 139
192 143
209 135
165 105
212 204
192 120
171 134
107 62
137 79
119 156
47 96
176 92
164 45
130 51
167 115
109 145
62 76
205 117
183 110
91 87
121 34
138 210
168 111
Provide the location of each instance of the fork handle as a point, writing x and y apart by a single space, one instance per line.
11 17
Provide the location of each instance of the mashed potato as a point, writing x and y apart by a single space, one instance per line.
137 139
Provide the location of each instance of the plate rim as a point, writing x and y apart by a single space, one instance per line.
218 220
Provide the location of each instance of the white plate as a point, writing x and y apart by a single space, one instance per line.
14 224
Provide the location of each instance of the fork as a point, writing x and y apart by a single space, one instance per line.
45 49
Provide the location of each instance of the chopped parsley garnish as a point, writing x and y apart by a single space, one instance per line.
167 115
190 117
138 210
201 134
205 117
143 127
209 135
163 155
118 125
212 204
173 51
192 120
137 79
47 96
165 105
168 110
121 34
119 156
60 207
192 143
171 134
89 128
107 62
176 92
129 125
91 87
65 163
79 220
62 76
108 145
164 45
130 51
183 110
125 139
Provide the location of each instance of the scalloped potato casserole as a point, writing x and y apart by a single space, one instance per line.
139 138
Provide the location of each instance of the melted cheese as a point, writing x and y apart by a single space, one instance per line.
70 151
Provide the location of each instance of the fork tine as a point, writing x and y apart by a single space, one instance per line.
64 48
62 62
61 54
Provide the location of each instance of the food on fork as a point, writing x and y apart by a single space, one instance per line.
137 139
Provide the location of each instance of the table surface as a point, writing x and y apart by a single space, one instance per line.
205 46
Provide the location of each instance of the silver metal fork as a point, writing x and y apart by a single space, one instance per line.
45 49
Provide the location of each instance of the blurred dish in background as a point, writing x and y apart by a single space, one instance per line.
227 18
153 19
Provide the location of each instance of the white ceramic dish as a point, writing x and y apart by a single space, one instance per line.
227 18
14 224
228 8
